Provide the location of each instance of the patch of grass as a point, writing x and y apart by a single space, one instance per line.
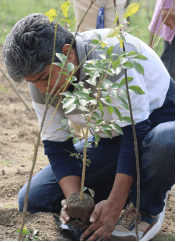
8 162
11 206
13 10
165 237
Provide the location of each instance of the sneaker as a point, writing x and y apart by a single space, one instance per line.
148 226
162 214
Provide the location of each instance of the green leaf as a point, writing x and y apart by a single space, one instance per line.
108 132
97 137
106 126
117 128
68 21
124 94
73 79
24 232
123 103
61 57
93 101
78 86
106 83
90 124
116 64
68 94
3 89
138 68
105 93
64 8
99 121
131 9
91 82
83 102
116 18
96 144
114 94
103 56
120 41
140 57
102 113
70 136
127 65
98 36
68 101
136 89
132 53
103 44
84 189
100 106
122 83
78 94
75 140
96 128
117 70
51 14
86 144
109 72
110 50
89 66
127 119
115 86
123 60
118 113
96 115
94 42
64 120
94 75
70 108
92 193
70 67
88 161
58 64
87 90
110 109
105 101
114 32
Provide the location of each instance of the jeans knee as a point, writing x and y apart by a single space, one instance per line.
159 148
21 197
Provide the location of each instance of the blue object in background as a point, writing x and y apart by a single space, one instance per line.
100 19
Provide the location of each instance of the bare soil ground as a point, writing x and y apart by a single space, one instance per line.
18 133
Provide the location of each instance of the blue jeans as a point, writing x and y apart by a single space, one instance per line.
157 173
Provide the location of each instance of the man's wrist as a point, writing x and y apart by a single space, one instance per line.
120 190
70 184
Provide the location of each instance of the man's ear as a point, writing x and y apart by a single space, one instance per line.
65 50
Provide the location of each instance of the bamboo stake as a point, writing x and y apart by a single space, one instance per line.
15 89
137 156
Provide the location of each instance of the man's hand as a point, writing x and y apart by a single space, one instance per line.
104 219
170 21
64 218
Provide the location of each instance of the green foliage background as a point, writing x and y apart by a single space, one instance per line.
13 10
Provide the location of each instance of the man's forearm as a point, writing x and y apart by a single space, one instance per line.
70 184
120 190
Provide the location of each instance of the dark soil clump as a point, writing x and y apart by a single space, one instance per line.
80 210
